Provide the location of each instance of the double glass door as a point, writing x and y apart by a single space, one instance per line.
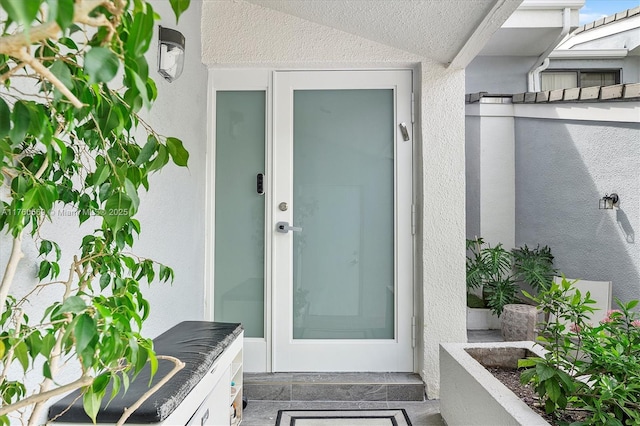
317 265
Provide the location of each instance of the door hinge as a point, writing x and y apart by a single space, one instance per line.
413 108
413 219
413 332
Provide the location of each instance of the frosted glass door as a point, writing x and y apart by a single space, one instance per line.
240 210
343 277
343 151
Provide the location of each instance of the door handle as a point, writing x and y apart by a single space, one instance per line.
284 227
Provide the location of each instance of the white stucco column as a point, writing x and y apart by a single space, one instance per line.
442 203
496 151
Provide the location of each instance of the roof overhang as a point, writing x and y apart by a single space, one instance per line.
533 28
451 32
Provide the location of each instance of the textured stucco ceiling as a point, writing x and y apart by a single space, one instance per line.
436 29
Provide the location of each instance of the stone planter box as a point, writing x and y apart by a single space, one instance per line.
482 319
470 395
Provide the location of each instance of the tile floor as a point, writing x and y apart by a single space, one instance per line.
421 413
264 413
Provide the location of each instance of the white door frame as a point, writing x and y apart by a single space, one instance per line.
259 351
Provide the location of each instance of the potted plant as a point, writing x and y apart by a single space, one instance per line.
73 80
495 276
490 283
534 267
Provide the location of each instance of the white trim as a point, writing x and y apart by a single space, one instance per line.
346 354
606 30
619 112
589 54
551 4
257 350
500 12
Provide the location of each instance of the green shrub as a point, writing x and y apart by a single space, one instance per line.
591 367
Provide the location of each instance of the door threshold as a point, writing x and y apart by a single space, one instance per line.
334 386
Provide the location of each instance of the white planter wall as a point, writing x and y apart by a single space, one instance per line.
470 395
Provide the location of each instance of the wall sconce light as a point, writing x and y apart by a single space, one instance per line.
608 201
170 53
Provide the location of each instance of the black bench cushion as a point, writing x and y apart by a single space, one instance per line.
196 343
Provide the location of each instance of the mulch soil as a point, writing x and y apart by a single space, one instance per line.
511 379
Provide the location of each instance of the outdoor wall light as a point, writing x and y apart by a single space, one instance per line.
608 201
170 53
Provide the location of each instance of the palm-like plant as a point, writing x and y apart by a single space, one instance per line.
496 272
534 266
491 270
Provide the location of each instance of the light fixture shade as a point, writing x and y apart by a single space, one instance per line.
170 53
608 201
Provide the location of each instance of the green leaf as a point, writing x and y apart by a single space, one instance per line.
21 11
179 155
545 372
48 341
101 174
160 160
44 270
100 383
553 390
105 279
527 362
21 352
46 370
117 210
108 119
60 70
45 247
21 121
30 199
140 33
101 65
179 6
85 331
62 12
5 121
132 192
74 305
91 403
147 151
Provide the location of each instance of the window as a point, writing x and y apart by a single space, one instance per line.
561 79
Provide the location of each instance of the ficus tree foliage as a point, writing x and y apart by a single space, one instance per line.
73 78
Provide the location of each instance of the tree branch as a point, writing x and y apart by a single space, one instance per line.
37 66
179 365
10 272
83 381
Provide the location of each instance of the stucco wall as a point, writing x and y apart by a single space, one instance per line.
498 74
243 35
473 176
630 66
562 169
170 214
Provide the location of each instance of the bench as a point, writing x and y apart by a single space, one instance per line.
201 393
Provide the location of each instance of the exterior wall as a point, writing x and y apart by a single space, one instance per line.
243 35
491 159
170 214
473 175
630 66
498 74
563 167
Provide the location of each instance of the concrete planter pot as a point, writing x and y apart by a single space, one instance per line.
482 319
470 395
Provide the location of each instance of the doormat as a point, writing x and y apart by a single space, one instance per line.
364 417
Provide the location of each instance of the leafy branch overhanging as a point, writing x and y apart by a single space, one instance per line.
73 78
